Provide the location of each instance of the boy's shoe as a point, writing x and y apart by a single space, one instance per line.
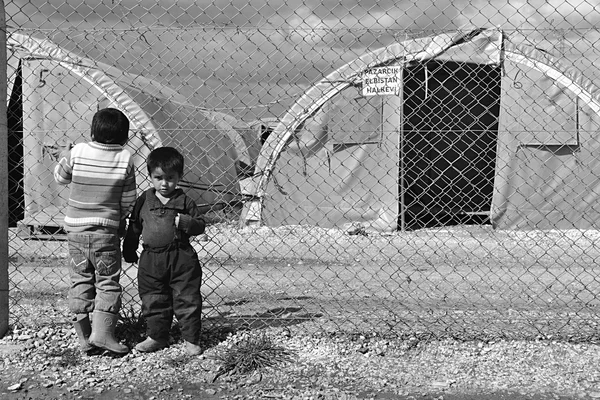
192 349
150 345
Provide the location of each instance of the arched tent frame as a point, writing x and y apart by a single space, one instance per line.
496 50
99 79
98 75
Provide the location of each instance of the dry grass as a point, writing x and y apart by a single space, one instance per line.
252 352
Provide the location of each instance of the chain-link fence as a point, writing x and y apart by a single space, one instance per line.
408 167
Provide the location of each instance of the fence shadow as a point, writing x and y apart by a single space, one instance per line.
271 318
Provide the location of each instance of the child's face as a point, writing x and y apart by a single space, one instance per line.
165 182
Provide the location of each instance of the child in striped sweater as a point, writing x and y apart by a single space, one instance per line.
101 179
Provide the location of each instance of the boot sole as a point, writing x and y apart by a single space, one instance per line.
150 350
121 351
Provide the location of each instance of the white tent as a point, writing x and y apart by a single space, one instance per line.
479 125
58 93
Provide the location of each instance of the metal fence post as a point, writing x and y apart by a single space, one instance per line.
3 182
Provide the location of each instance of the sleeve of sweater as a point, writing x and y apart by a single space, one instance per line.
129 191
191 220
134 230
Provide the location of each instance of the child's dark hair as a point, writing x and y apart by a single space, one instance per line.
165 158
110 126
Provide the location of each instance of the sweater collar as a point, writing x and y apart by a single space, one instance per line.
155 199
105 146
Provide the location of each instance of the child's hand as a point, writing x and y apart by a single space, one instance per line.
130 257
177 221
129 253
122 228
64 150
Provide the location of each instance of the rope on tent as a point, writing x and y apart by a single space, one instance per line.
208 188
218 206
237 197
426 81
278 186
297 139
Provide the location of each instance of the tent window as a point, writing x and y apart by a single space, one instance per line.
536 109
355 120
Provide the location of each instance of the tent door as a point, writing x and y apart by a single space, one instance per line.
16 200
448 146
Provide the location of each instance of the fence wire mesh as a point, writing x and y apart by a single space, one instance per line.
423 168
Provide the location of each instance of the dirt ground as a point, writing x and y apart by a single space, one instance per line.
447 290
466 282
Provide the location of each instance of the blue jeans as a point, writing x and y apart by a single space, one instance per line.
95 269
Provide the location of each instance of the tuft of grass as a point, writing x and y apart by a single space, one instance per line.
131 328
252 353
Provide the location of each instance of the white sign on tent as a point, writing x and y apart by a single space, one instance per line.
381 81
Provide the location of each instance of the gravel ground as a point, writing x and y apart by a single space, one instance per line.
334 281
45 364
470 281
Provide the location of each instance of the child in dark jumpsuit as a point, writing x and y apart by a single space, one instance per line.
169 273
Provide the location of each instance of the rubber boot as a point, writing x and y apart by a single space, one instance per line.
81 323
103 332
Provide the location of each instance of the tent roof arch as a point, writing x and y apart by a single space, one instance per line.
97 75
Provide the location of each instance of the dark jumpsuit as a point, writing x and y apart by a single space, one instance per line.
169 273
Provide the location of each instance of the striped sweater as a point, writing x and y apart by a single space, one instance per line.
102 185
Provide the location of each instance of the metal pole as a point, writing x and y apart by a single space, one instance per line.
3 182
401 155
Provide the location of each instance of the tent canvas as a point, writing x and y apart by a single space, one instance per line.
54 96
481 126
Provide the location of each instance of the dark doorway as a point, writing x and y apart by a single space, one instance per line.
16 197
448 145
